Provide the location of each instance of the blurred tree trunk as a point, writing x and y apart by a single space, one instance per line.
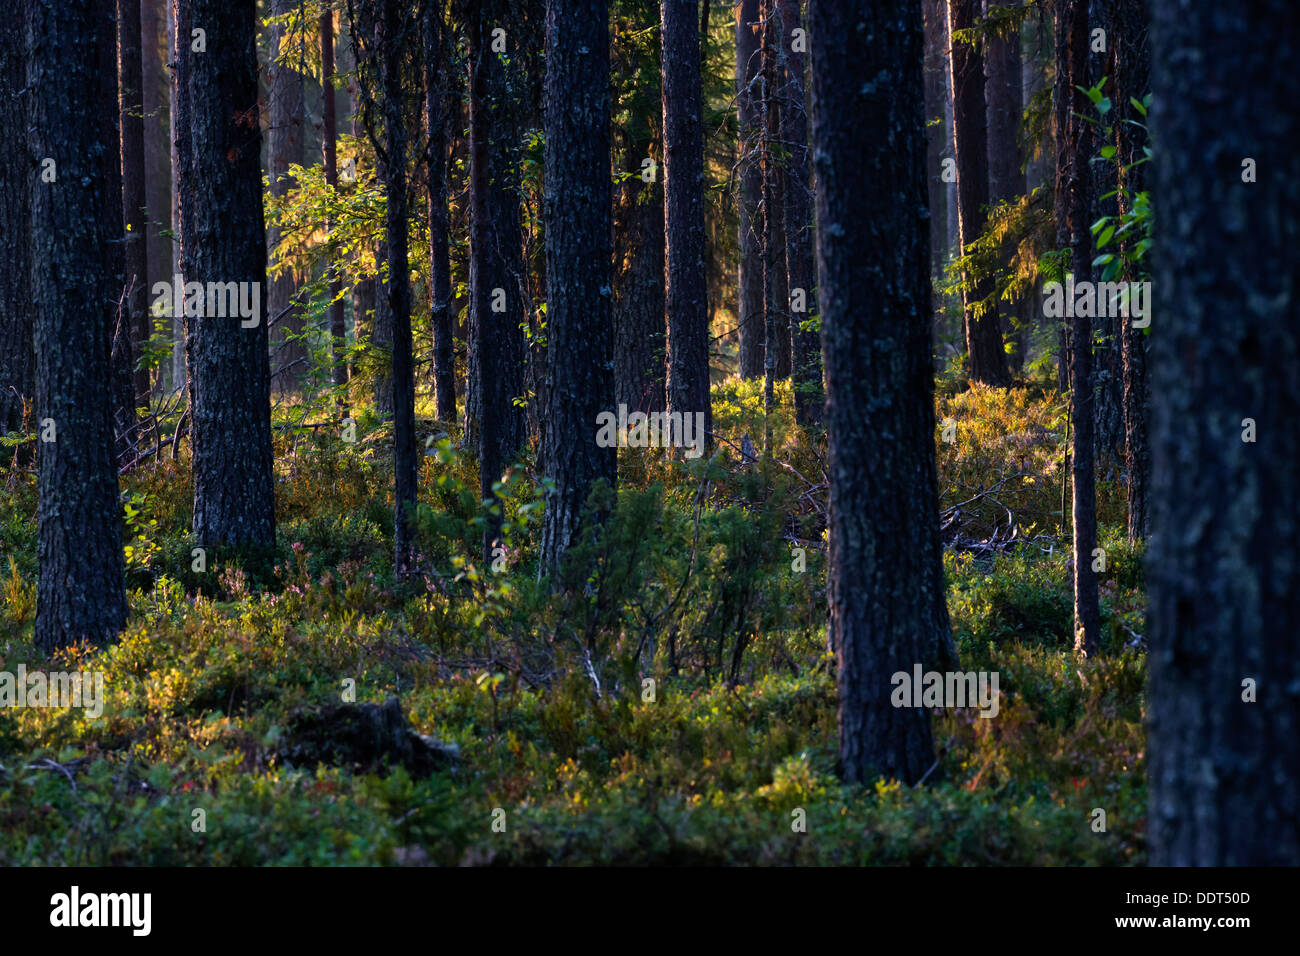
1224 757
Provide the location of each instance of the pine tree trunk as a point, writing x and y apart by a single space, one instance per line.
776 281
121 389
983 335
750 316
437 128
687 297
224 241
329 157
1224 567
639 291
17 360
178 47
887 611
74 220
130 81
155 79
284 145
1132 79
1087 614
936 92
809 400
578 232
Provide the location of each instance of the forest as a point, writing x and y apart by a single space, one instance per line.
649 432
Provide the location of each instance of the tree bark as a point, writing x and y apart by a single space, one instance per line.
1087 614
578 269
687 296
131 103
329 157
776 281
1224 764
437 129
73 122
750 314
158 167
983 335
887 611
224 241
809 397
17 360
284 145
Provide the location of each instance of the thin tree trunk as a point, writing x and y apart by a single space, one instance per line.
809 399
438 127
73 123
17 360
130 80
158 168
329 156
687 296
983 334
887 611
750 315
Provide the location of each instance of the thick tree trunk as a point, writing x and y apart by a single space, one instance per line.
284 145
329 157
809 399
579 227
1087 615
750 315
438 128
1224 737
17 360
224 241
887 611
131 103
74 221
687 296
983 335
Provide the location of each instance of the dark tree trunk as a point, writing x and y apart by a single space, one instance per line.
158 165
178 45
121 389
1132 78
1005 99
74 220
17 360
437 127
1224 765
687 294
809 399
1062 98
639 286
983 335
224 241
493 422
1087 615
750 315
936 146
130 80
284 145
329 157
776 281
887 610
579 227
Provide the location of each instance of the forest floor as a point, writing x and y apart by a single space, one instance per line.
228 679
